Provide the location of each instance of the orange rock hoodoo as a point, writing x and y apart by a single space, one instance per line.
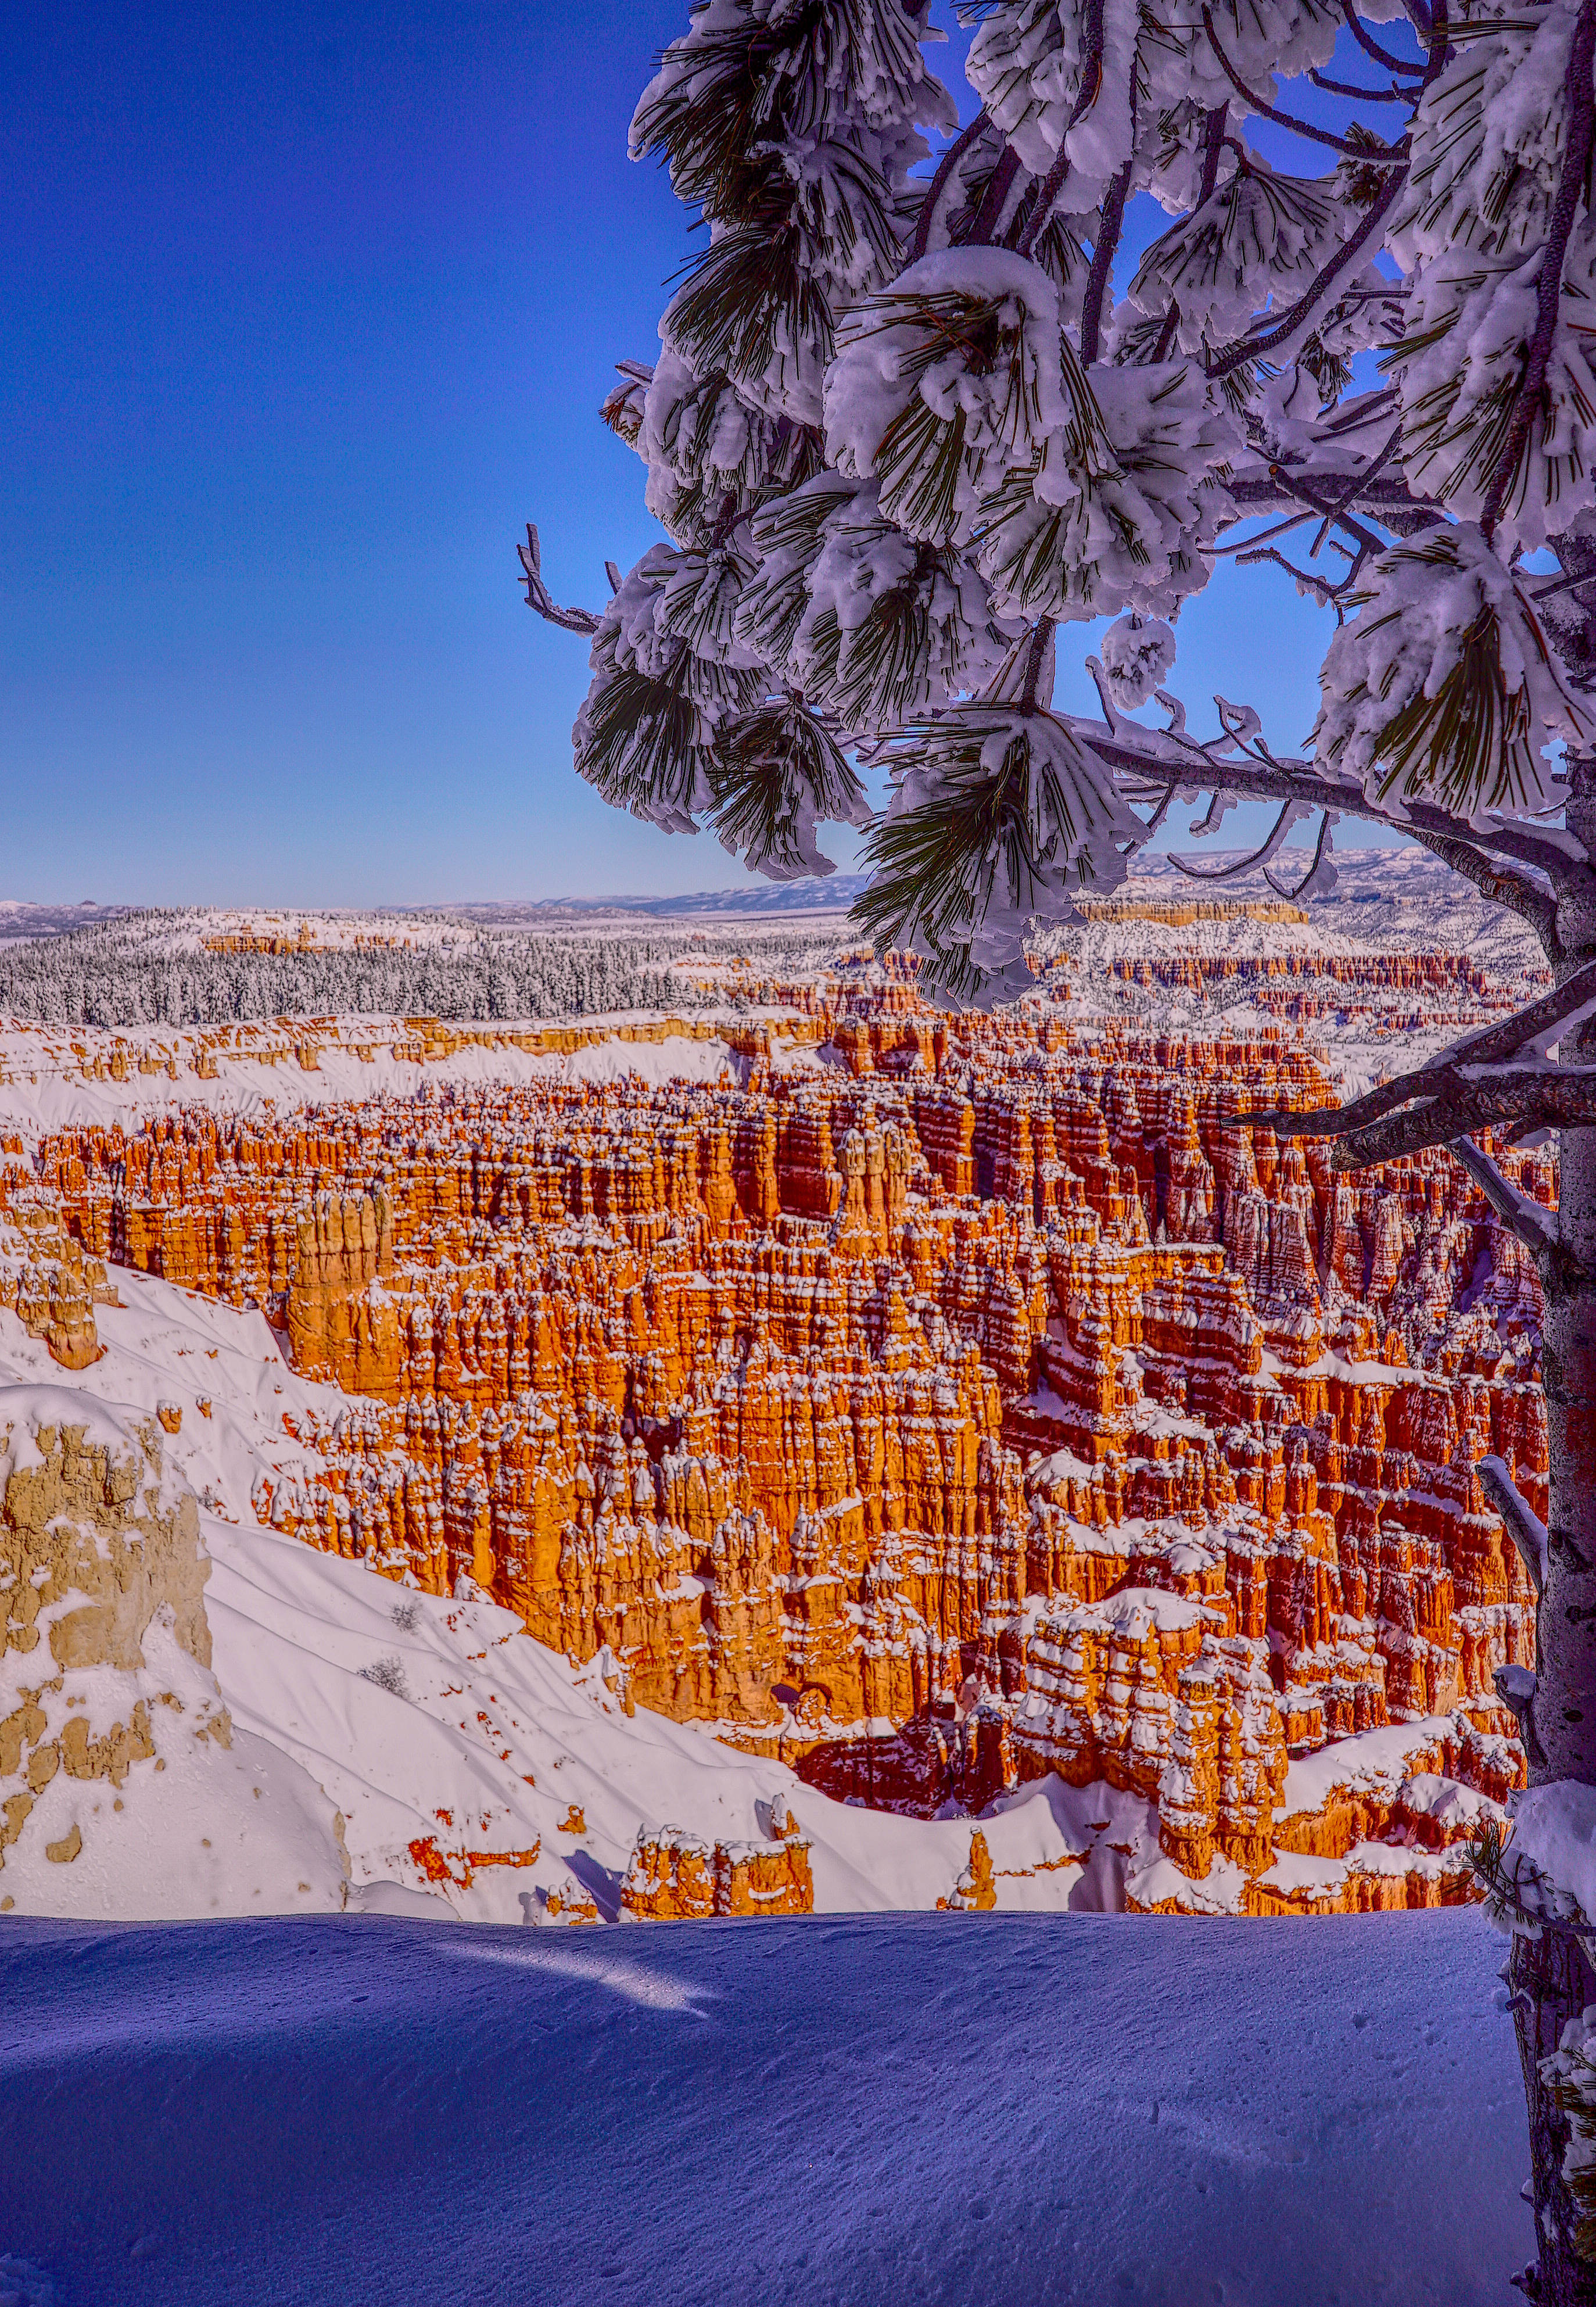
1303 985
45 1277
673 1877
985 1401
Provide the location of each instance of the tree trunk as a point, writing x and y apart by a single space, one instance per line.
1551 1982
1564 1710
1566 1630
1552 1973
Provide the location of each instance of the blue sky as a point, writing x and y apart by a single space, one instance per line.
304 311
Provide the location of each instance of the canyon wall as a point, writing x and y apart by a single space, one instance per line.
950 1403
95 1551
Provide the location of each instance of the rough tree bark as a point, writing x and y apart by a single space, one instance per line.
1551 1979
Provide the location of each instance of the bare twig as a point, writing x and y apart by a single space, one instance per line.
1320 587
1394 157
1291 895
1163 810
1245 544
538 598
1282 826
1338 506
1382 458
1366 95
945 168
1111 711
1366 409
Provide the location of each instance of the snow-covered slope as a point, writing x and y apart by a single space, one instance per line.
482 1741
407 1749
54 1077
990 2111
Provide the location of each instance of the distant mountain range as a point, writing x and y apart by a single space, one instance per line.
1365 876
18 920
832 895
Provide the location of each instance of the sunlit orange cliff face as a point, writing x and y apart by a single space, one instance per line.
953 1401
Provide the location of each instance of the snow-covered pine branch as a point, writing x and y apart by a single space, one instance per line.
910 405
1535 1227
1524 1527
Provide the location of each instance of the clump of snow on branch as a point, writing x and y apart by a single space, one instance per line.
1490 142
1443 683
702 443
1082 536
1138 656
1255 224
644 733
1025 815
801 171
865 621
1546 1872
1034 66
949 382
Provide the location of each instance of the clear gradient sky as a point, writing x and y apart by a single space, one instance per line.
304 311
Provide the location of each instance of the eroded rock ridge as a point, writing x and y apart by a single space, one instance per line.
946 1402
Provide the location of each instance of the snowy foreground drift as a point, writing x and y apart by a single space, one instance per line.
1019 2110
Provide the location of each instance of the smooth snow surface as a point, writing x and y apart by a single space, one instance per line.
975 2110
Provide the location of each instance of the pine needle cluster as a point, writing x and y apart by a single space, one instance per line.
916 403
